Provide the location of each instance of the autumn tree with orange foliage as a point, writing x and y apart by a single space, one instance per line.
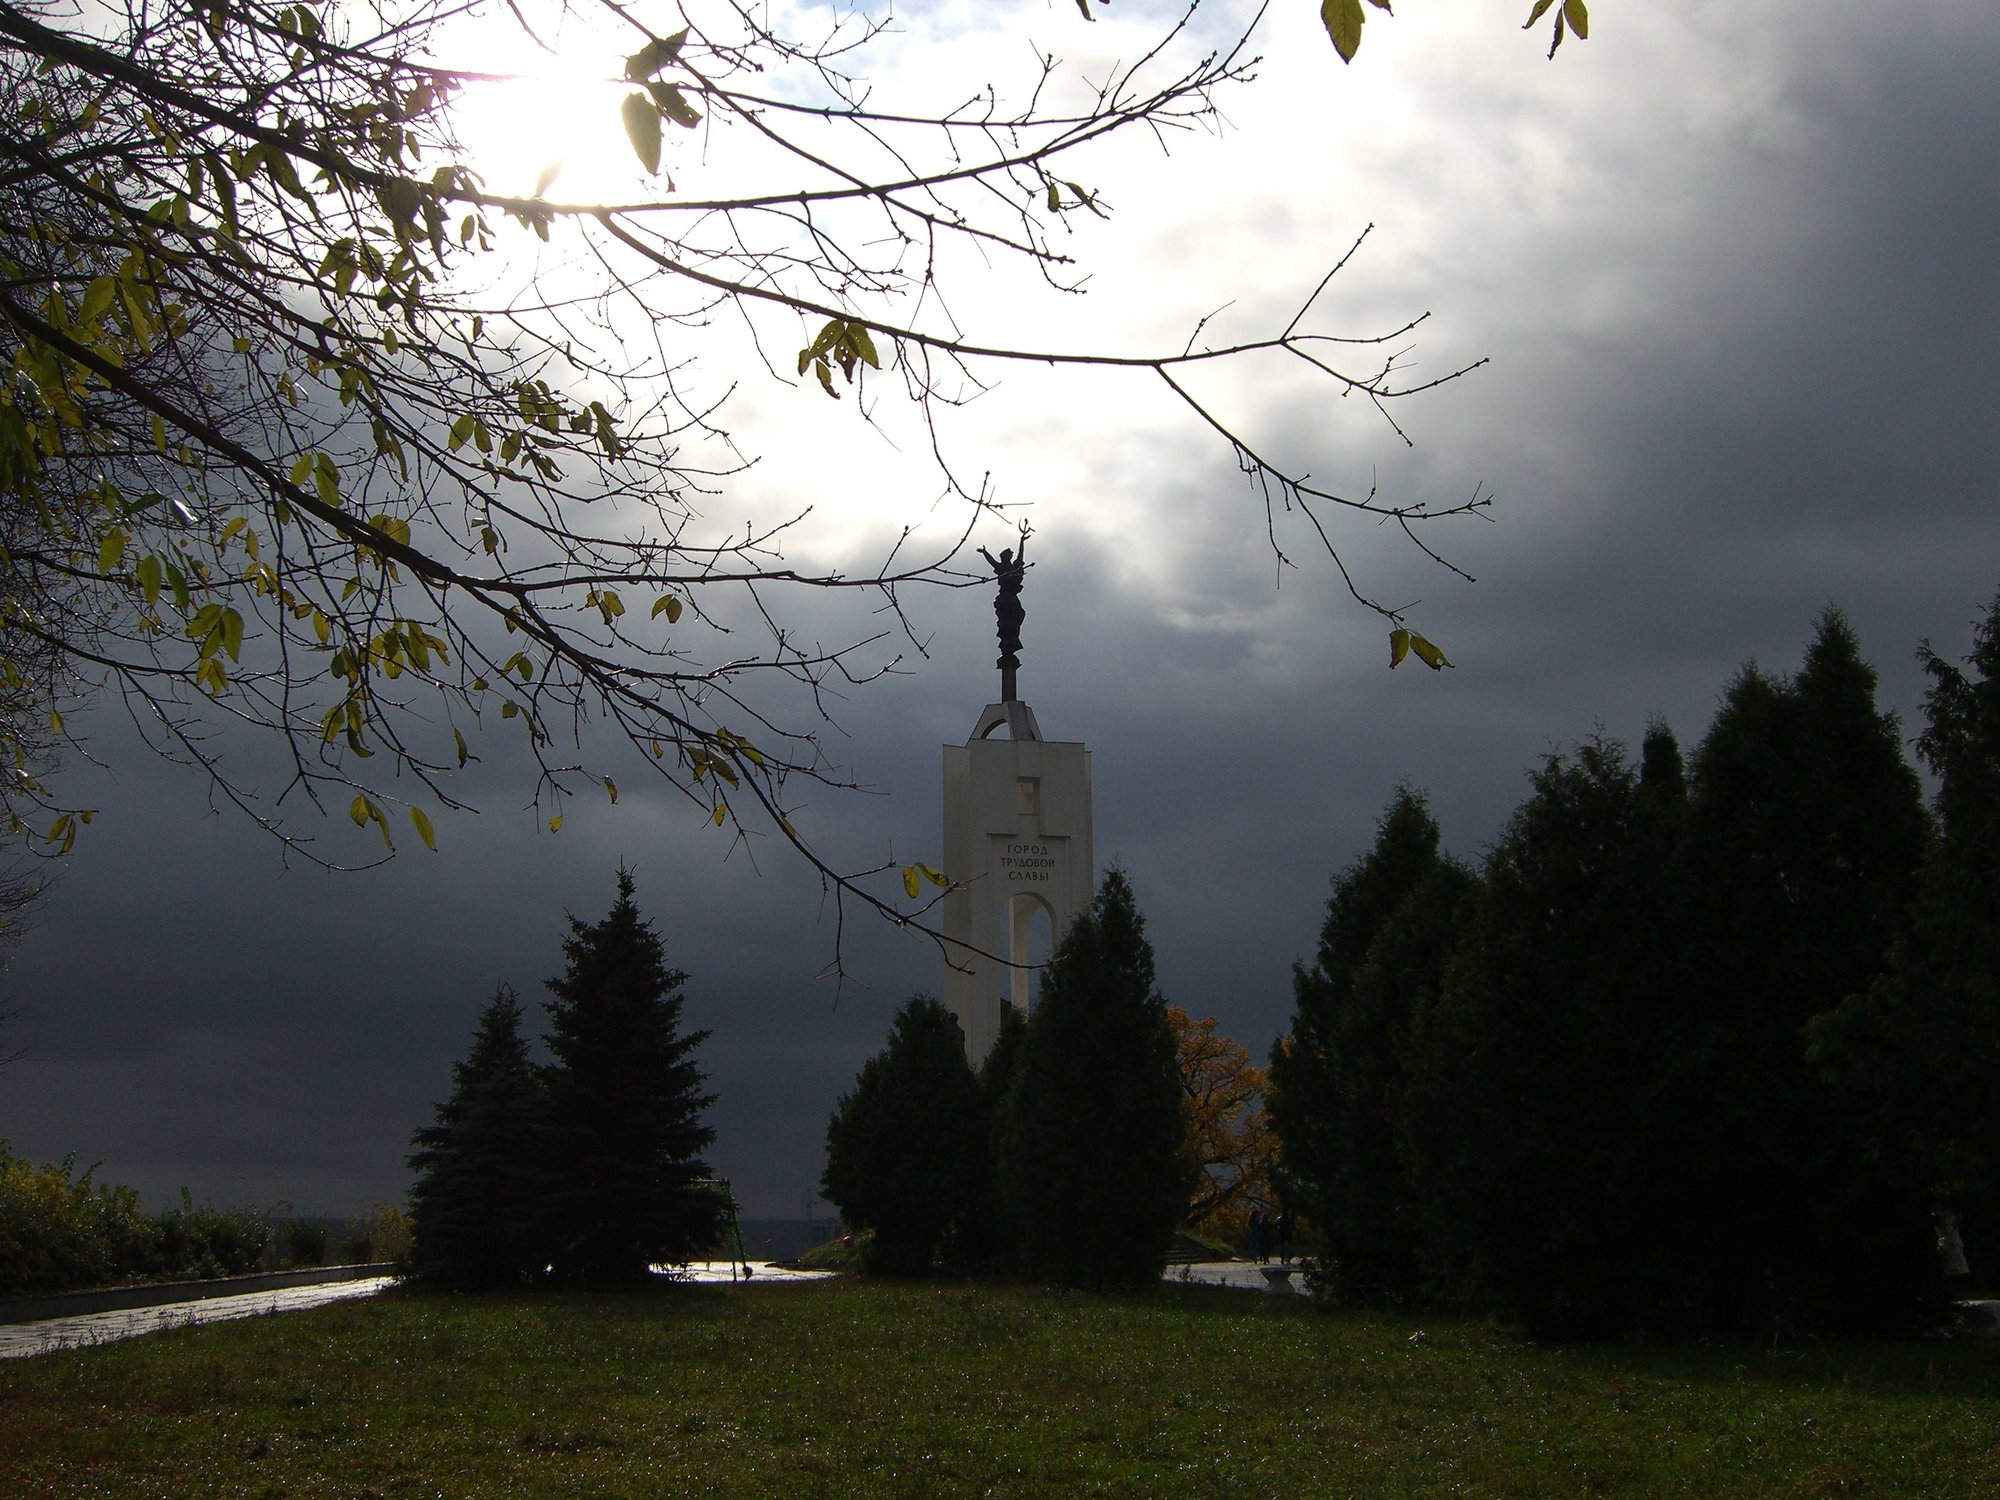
1229 1145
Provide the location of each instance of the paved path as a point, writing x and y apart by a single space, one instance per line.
1243 1274
19 1340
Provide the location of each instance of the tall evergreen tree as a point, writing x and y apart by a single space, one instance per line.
624 1184
1922 1046
1091 1169
984 1241
906 1150
1529 1118
473 1209
1805 832
1337 1076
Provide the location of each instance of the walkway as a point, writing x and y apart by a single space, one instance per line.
1245 1275
49 1335
18 1340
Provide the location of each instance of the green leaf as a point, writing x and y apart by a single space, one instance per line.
719 814
1344 20
655 55
1399 647
423 827
97 299
1541 8
863 344
110 548
326 481
1578 17
642 128
669 606
357 811
459 740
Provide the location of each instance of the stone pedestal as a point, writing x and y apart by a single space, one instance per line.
1017 827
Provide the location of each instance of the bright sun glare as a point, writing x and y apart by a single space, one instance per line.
547 123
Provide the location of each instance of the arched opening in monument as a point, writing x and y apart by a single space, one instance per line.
1031 939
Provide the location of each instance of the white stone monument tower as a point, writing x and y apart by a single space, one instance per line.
1016 838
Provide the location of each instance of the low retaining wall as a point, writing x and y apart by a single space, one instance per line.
160 1293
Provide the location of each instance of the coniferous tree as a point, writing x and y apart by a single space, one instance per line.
984 1241
1529 1118
1337 1076
1805 833
906 1151
1921 1047
1091 1169
473 1209
624 1186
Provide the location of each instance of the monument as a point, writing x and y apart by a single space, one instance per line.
1016 836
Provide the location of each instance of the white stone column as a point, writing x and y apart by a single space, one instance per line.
1017 839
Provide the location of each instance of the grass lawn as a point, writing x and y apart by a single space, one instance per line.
857 1388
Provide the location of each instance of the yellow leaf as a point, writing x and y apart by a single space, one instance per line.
611 787
669 606
357 811
555 824
1578 17
935 877
423 827
1399 647
910 881
720 814
1428 654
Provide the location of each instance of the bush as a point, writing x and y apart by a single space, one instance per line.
60 1232
306 1241
197 1243
383 1235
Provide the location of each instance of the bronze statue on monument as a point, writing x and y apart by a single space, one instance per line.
1010 570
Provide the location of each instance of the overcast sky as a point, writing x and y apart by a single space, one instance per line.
1733 269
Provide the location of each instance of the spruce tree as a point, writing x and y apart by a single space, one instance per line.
624 1185
1337 1076
473 1209
1528 1117
1091 1169
1921 1047
906 1151
1805 833
984 1242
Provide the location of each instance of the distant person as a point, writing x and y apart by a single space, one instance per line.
1255 1238
1283 1236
